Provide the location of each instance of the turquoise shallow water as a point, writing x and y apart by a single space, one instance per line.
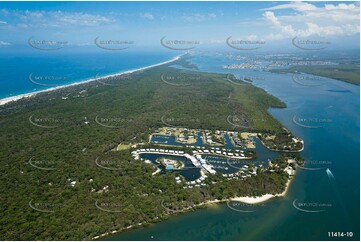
334 145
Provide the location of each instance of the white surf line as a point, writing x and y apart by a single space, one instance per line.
31 94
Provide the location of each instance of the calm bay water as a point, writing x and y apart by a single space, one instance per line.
189 172
334 106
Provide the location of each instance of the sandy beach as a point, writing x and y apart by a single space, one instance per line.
253 200
248 200
263 198
32 94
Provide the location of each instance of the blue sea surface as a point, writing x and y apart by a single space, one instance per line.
21 70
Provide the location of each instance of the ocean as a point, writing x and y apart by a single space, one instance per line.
28 70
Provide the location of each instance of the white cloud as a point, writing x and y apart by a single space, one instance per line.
307 19
82 19
197 17
148 16
217 41
342 6
273 36
252 37
38 19
3 43
299 6
286 29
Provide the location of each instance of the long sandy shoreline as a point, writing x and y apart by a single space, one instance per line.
263 198
248 200
31 94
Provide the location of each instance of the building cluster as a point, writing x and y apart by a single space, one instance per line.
221 152
136 153
243 173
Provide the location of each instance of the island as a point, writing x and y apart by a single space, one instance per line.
344 72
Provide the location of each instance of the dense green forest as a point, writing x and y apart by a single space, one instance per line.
66 130
347 73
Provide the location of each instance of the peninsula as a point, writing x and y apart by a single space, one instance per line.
135 152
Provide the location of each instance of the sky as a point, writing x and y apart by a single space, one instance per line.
209 23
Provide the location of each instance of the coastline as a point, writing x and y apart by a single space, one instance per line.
247 200
263 198
6 100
